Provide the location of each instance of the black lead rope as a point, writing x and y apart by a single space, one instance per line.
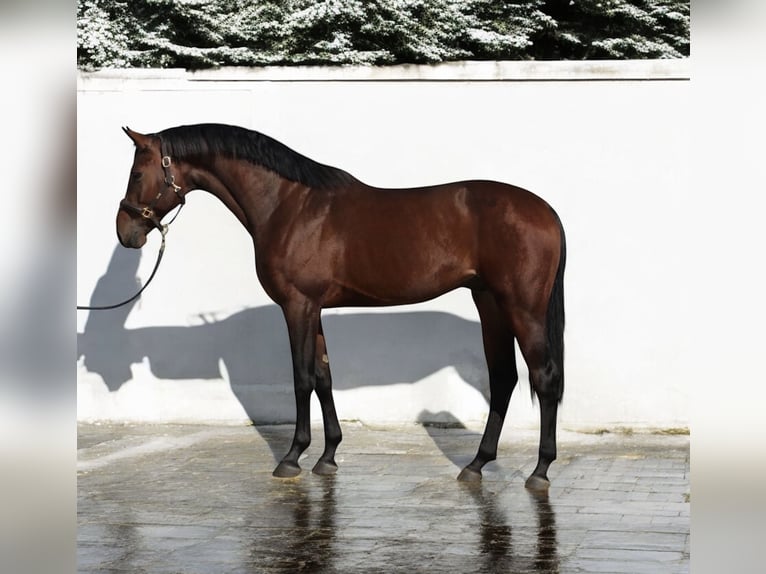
164 230
148 213
163 227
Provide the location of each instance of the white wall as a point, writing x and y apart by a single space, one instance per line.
605 143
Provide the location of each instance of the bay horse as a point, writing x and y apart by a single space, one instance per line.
324 239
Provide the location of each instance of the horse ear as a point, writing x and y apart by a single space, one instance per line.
139 139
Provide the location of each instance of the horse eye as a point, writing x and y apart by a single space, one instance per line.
136 176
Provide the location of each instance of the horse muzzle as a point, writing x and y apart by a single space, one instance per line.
131 231
134 239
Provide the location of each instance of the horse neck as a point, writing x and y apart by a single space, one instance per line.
249 191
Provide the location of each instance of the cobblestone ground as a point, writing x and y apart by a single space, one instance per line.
201 499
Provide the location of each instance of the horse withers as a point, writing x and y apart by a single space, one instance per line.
324 239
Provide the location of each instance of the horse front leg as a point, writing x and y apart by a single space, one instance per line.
332 434
302 319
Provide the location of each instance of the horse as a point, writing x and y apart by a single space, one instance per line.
324 239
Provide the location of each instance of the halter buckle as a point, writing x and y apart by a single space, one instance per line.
166 161
147 212
170 181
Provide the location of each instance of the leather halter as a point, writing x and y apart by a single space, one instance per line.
147 211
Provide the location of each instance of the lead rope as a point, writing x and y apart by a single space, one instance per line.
170 181
163 230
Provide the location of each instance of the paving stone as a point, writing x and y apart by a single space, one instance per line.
200 499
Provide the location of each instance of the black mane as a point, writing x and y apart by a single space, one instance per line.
196 141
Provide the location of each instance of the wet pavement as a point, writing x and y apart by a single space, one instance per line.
201 499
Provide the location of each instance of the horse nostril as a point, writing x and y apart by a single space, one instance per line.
122 239
138 240
134 239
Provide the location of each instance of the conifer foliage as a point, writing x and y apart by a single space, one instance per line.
210 33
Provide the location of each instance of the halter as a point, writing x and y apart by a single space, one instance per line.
147 212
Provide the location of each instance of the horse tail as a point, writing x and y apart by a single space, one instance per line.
554 318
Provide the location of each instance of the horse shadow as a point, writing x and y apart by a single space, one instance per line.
366 349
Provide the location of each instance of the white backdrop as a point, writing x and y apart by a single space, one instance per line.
607 144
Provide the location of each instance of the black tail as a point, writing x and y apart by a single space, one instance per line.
554 319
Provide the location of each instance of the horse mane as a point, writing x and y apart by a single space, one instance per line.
196 141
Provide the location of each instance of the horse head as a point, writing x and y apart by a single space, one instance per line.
152 190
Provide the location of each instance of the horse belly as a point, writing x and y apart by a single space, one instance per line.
403 266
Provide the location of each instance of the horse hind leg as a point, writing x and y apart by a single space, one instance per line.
326 464
546 380
501 362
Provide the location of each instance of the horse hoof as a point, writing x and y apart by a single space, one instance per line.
537 484
469 475
324 468
286 470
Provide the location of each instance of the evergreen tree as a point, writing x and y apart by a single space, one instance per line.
101 40
382 32
207 33
614 29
